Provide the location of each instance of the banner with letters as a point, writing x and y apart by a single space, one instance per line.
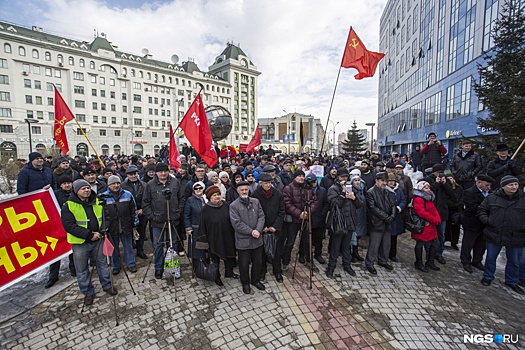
31 235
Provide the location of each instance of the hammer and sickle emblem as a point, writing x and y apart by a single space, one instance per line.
354 43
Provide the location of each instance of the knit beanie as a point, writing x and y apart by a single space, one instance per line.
223 173
508 179
113 179
211 174
64 178
421 184
35 155
354 177
78 184
298 173
162 167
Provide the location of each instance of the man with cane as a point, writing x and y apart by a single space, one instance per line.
82 219
161 193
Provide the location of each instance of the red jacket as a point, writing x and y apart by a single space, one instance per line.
425 209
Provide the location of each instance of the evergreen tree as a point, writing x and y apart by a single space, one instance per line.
355 142
502 85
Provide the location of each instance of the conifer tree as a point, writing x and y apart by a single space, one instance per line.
355 142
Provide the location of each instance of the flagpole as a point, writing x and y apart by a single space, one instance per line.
178 126
330 111
94 150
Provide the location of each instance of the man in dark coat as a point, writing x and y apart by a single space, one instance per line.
466 164
319 221
64 168
432 151
329 179
502 214
97 186
367 173
136 187
34 176
442 189
286 173
473 228
502 166
381 215
416 157
272 204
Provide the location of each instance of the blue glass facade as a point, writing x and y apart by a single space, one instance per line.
432 50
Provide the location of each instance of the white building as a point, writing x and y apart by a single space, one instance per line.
124 101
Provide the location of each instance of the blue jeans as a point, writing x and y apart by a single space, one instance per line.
441 236
513 262
127 243
160 238
81 255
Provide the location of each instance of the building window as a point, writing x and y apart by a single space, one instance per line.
5 112
117 132
21 51
137 109
80 104
111 82
112 94
27 83
38 85
137 122
29 114
95 119
458 99
7 48
78 76
6 128
102 106
94 79
137 97
102 132
29 99
462 23
50 101
102 93
78 89
37 130
36 70
93 92
124 96
415 116
81 117
102 81
79 131
92 64
71 61
138 133
125 121
113 108
47 56
104 120
125 109
38 100
36 54
58 73
153 134
136 86
113 120
432 109
51 115
94 105
491 13
3 63
81 63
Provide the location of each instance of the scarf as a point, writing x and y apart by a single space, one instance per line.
215 204
268 193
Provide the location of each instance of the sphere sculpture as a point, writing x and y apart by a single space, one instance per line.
220 121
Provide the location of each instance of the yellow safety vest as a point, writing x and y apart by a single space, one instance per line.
80 215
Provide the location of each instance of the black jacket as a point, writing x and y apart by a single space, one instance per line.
327 181
136 190
381 209
336 197
466 168
503 219
273 207
154 203
286 178
319 217
62 196
472 199
443 194
498 168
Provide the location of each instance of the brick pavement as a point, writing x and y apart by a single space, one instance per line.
402 309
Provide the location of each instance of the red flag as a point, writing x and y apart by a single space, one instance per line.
357 56
62 116
174 152
197 131
256 140
107 247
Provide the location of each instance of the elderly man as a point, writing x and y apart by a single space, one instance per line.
502 214
382 211
82 219
276 180
473 228
502 166
466 164
247 218
34 176
136 187
121 218
97 185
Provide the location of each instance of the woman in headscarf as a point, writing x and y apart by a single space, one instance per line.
192 218
358 187
214 178
225 179
231 193
423 201
398 226
216 226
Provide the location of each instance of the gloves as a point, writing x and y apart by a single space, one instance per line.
390 219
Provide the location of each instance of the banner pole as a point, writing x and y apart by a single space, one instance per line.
330 111
94 150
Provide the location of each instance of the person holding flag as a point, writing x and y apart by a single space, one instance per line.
82 220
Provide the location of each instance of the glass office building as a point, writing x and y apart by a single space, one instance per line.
426 79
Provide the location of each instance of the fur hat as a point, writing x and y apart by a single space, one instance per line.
113 179
211 190
63 179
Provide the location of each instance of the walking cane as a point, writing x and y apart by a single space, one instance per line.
303 221
310 244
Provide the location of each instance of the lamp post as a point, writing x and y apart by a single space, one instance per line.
371 136
334 125
289 126
30 121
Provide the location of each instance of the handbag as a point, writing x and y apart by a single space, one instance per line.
338 225
207 269
201 243
414 223
270 245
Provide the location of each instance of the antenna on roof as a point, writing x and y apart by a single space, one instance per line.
174 59
94 33
145 51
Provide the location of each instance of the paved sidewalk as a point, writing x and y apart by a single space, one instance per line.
402 309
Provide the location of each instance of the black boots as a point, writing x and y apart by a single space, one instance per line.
355 254
419 266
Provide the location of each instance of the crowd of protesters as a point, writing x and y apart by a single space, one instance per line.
223 211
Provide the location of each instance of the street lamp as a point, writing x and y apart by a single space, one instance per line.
371 136
334 125
30 121
289 131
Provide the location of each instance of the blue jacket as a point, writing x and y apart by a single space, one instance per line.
121 212
31 179
398 198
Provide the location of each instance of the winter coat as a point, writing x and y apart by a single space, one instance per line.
381 209
154 204
295 197
432 154
72 173
273 207
69 222
399 200
216 225
62 196
136 189
188 190
466 168
192 219
286 178
319 217
183 180
327 181
472 199
361 211
416 157
443 194
503 219
246 217
336 197
369 179
120 212
424 208
498 168
31 179
405 183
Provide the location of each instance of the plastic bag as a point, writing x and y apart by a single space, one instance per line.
171 264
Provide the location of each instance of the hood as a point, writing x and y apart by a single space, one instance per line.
429 197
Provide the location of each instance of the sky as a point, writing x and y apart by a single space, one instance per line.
296 45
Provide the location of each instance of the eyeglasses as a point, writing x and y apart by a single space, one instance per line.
197 188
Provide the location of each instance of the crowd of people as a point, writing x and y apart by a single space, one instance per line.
224 211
